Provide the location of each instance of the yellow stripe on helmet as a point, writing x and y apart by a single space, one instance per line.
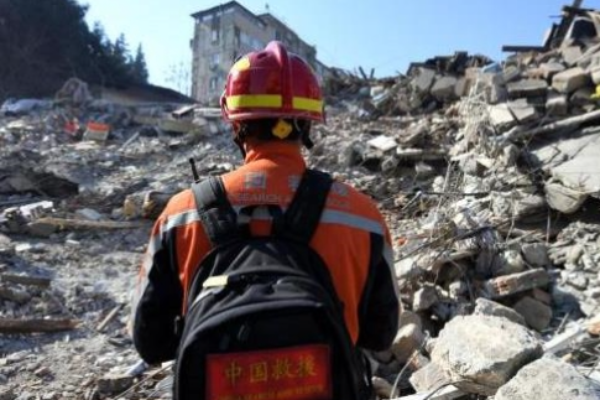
306 104
255 100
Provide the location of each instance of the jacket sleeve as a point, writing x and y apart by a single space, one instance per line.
158 299
379 305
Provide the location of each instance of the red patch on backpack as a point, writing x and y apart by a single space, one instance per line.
293 373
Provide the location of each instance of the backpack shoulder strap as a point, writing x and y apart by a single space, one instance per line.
217 216
304 212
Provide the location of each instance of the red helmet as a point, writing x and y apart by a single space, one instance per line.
272 83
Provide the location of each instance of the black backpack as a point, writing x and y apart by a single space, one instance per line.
263 319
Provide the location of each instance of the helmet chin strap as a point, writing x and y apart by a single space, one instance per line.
238 138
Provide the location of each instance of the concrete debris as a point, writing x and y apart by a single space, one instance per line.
548 378
491 308
482 353
537 314
485 172
570 80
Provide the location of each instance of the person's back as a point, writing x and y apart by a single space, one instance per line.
351 238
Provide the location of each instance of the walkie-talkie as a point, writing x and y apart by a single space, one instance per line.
194 170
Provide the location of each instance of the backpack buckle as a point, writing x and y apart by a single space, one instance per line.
216 281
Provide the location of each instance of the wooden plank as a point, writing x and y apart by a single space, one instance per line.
26 280
109 317
65 223
522 49
564 124
14 326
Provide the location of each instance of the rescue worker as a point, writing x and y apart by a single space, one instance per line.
271 99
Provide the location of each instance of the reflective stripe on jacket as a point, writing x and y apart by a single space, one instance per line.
352 240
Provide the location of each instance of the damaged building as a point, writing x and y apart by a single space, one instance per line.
228 31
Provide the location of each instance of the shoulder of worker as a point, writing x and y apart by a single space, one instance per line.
180 204
359 202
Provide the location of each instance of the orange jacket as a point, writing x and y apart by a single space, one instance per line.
352 239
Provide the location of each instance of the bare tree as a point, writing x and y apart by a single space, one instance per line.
180 77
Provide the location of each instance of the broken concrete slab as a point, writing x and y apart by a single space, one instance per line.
527 88
511 74
501 116
383 143
523 111
571 55
444 87
573 164
481 353
550 69
491 308
537 314
570 80
423 80
548 379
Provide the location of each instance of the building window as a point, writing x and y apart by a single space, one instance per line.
213 84
215 60
236 37
215 30
278 35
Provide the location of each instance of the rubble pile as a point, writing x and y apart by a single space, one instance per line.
485 172
426 87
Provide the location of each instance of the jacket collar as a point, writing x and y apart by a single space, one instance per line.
281 153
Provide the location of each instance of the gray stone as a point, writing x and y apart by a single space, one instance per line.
114 384
595 74
7 394
424 298
89 214
508 262
511 74
564 199
427 378
523 111
501 116
444 88
481 353
424 79
457 289
557 104
491 308
536 254
462 87
570 80
547 379
537 314
578 281
581 97
409 339
571 55
527 88
550 69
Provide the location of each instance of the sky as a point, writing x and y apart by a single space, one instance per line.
383 34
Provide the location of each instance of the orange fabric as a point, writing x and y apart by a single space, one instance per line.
268 176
